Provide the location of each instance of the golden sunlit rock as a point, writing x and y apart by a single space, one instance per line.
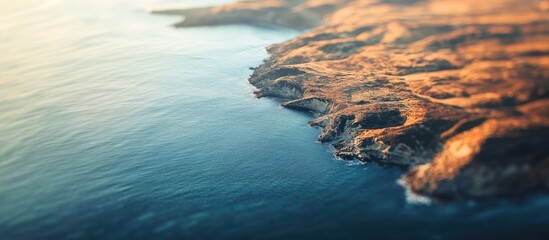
544 6
455 90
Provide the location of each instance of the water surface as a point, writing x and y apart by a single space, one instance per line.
114 125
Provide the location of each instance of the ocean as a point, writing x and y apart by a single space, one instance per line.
114 125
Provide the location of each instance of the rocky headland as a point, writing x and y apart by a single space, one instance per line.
455 92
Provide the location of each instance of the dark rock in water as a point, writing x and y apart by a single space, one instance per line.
457 92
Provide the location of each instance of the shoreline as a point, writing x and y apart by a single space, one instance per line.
458 99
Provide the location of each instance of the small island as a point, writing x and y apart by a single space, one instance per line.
456 93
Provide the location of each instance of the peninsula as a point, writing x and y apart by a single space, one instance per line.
455 92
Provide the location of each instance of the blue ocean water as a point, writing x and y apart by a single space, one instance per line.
115 126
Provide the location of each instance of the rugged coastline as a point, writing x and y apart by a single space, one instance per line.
454 92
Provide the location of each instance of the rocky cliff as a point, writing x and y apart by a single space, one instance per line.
453 91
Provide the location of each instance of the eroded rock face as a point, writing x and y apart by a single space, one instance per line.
500 157
455 91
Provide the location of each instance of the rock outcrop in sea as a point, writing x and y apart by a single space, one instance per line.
453 91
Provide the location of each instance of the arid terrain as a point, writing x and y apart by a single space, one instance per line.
455 92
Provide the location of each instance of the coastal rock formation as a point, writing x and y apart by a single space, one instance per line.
453 91
298 14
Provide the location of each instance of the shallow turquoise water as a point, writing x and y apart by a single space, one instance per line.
113 125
